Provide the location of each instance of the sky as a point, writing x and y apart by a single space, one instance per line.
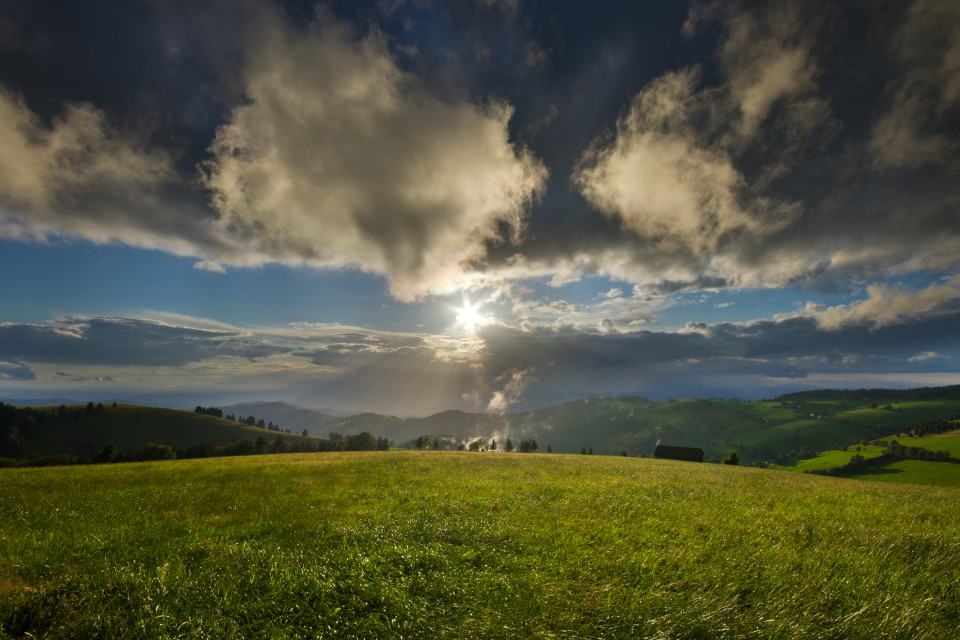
407 206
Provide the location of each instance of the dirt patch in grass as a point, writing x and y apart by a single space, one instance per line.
8 585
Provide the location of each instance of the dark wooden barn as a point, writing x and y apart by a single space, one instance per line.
692 454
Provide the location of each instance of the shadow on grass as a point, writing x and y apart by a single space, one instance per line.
877 471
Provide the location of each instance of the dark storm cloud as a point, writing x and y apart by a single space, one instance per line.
13 370
758 159
575 361
124 342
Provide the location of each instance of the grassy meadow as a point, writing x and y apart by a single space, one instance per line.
944 474
830 459
471 545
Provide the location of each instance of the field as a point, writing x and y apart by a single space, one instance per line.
944 474
949 442
831 459
914 471
461 545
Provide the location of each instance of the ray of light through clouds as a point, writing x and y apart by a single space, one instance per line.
407 207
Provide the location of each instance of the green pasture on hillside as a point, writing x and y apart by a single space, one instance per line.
949 442
905 414
459 545
831 459
816 434
942 474
771 410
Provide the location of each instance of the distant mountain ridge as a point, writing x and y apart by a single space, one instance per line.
285 415
613 425
37 402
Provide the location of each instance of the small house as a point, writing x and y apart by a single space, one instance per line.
669 452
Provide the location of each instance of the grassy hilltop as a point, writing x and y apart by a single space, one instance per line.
460 545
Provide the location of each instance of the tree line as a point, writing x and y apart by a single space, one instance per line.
250 421
16 424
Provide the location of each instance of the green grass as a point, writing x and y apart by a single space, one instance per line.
940 474
447 545
949 442
905 414
831 459
816 434
943 474
771 410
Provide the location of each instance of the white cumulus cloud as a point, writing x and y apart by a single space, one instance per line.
886 306
342 159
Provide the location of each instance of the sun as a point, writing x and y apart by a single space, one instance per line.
469 316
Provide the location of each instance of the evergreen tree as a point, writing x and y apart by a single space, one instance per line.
107 454
509 447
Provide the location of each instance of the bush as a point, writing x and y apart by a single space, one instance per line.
152 451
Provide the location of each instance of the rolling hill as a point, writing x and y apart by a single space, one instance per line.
74 430
608 425
612 425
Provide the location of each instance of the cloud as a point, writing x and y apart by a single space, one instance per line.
746 358
340 159
672 171
94 379
767 59
125 342
80 176
926 355
13 370
512 383
661 180
209 265
508 369
750 171
40 167
886 306
925 95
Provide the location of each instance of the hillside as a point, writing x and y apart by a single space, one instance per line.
610 426
935 461
76 431
471 546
